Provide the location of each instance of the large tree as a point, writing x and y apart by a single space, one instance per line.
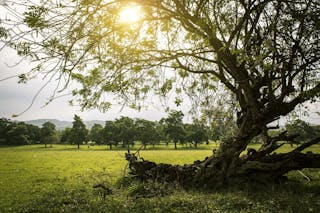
264 53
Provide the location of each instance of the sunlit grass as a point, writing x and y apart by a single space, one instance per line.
33 178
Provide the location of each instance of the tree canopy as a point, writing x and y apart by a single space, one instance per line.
18 133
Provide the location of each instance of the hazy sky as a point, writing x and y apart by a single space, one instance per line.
15 98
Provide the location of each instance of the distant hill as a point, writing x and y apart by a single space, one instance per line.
60 125
89 124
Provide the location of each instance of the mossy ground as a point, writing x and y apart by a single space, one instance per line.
34 179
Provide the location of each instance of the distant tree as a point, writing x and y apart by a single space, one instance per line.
196 133
127 130
18 134
34 133
302 129
96 134
173 127
222 121
78 133
65 135
48 134
161 128
5 125
158 134
111 133
146 132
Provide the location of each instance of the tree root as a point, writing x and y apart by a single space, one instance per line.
267 169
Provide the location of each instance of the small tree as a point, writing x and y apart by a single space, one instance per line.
302 129
48 134
96 134
65 135
173 127
196 133
126 129
146 132
78 133
111 133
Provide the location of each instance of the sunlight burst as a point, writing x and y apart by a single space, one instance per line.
130 14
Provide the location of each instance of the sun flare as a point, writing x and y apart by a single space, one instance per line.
130 14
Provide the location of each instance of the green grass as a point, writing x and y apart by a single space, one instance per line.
34 179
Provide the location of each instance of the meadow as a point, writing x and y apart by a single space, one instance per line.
61 179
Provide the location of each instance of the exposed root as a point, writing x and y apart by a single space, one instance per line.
258 166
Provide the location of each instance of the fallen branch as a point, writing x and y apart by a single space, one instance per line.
306 145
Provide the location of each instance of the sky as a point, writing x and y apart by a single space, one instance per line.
15 98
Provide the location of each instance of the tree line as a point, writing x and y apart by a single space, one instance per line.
126 132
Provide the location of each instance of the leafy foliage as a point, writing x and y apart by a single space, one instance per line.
78 132
197 133
18 133
96 134
65 135
146 132
48 134
111 133
173 127
303 130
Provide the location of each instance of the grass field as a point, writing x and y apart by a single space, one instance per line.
34 179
